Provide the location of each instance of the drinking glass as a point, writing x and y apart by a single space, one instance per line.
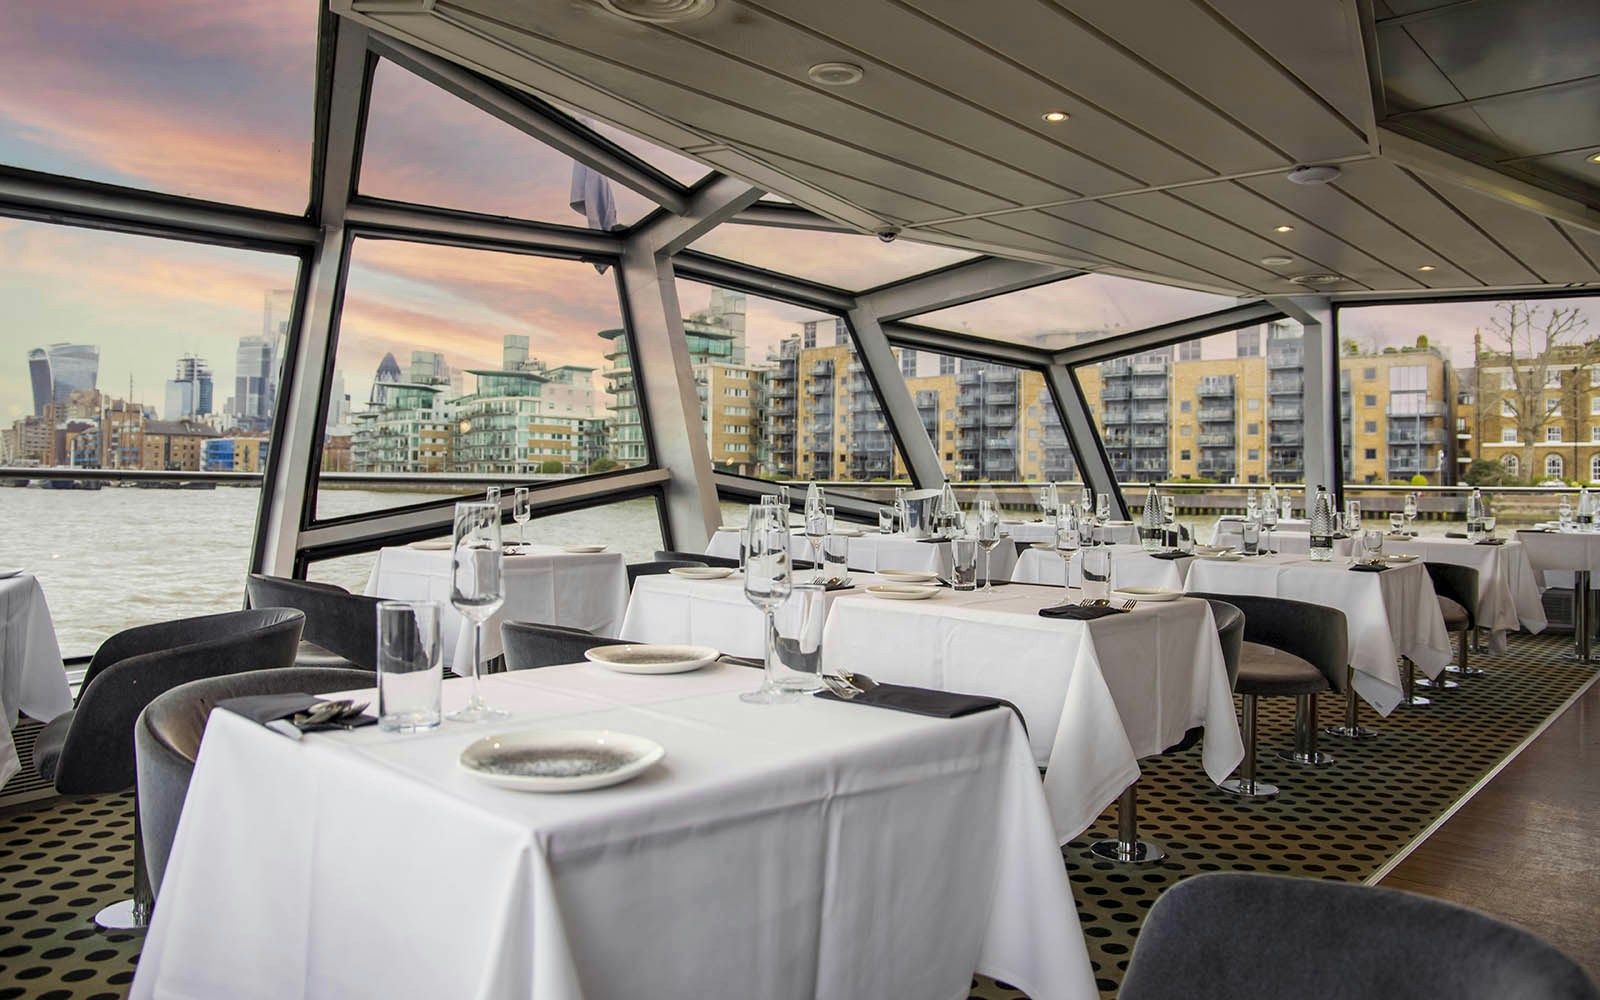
768 582
1169 521
832 518
1269 521
492 495
521 512
1042 498
410 668
816 530
1096 576
1372 545
1086 501
1410 511
797 639
1252 536
1067 542
1102 508
1488 526
964 563
1352 517
477 589
988 537
885 521
1397 521
1566 514
835 558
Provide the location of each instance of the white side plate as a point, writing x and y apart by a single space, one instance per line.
1148 594
583 548
1223 557
903 592
649 658
561 761
701 572
907 576
432 545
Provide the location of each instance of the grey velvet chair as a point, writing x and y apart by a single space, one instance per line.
89 749
636 570
725 561
167 742
1269 937
338 622
1457 590
1126 847
530 645
1290 649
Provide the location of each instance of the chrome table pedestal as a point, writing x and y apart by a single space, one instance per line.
1305 735
1352 729
1245 785
1581 625
1127 848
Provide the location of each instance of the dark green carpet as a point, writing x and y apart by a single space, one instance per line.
62 860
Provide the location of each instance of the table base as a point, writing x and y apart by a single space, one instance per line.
1135 852
1581 599
1315 758
128 915
1352 729
1249 789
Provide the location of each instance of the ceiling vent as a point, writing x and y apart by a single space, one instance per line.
1317 279
1313 175
659 11
835 74
1277 261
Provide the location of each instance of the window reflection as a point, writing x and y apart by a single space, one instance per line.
843 260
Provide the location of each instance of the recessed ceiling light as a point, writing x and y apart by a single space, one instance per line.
835 74
1277 261
1284 229
659 11
1426 267
1055 116
1594 157
1313 174
1316 279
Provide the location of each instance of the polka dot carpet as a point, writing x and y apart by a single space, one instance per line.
62 860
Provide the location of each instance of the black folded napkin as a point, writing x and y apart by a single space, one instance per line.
933 541
1079 612
1492 541
997 582
1169 555
1455 534
1365 568
924 701
265 708
840 585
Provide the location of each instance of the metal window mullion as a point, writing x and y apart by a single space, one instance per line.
959 284
1088 449
894 396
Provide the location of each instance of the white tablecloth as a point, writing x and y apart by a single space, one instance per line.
1131 566
1390 614
32 678
1556 555
588 591
670 609
1030 532
1097 695
1508 597
815 850
871 551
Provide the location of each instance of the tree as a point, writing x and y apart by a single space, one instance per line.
1422 340
600 465
1539 345
1488 472
552 467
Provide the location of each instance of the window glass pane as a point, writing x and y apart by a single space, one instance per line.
670 162
123 352
1490 393
425 146
632 527
207 100
812 412
454 361
843 260
1075 310
1136 400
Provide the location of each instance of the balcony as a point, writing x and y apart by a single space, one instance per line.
872 443
821 369
1115 415
1280 438
1149 414
1149 440
1286 411
1286 385
969 378
1001 416
819 387
999 376
1115 367
1115 390
1222 388
1002 398
1405 435
820 427
1284 358
968 418
780 408
1290 465
1157 391
968 399
1149 368
1216 414
1209 466
1004 441
1217 439
863 467
927 400
1146 467
1417 412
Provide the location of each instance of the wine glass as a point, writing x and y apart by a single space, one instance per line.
1397 521
1269 521
477 589
988 537
816 531
1043 499
1102 508
521 512
1169 520
492 495
1067 542
768 582
1410 512
1086 501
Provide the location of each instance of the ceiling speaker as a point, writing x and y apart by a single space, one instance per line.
659 11
1313 175
1317 279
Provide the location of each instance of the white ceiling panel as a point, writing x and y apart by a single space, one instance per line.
1533 240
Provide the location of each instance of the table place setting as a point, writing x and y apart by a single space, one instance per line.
651 658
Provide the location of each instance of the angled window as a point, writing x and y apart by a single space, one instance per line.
428 147
1076 310
127 352
456 362
212 102
844 260
674 164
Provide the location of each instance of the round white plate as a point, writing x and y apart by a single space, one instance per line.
7 572
902 592
701 572
1223 556
570 760
1402 557
1121 524
432 545
583 549
1148 594
651 658
907 576
729 527
847 532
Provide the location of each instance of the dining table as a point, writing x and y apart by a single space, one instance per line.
1508 590
1131 566
33 680
1568 558
872 550
1389 614
818 849
543 583
1039 530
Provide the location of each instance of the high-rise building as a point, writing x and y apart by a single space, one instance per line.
514 352
255 382
428 368
39 375
189 391
65 369
388 374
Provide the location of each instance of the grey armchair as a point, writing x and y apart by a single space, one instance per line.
727 562
1457 590
1290 649
342 623
167 742
530 645
636 570
89 750
1270 937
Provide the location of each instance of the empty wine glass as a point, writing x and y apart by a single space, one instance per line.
492 495
1102 508
816 531
521 512
988 537
768 582
1169 521
1086 501
1269 521
477 589
1410 512
1397 521
1067 543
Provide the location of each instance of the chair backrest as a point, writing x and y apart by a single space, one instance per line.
1315 633
709 560
529 644
337 620
167 741
636 570
97 754
1271 937
1230 633
1459 583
